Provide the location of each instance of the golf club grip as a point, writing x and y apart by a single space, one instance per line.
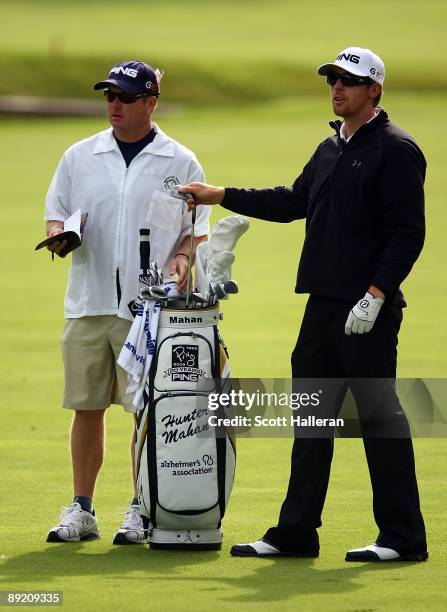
194 209
145 250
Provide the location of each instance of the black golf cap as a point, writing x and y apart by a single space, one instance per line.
133 77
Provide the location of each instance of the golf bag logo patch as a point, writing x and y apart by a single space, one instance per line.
185 355
193 467
207 459
185 364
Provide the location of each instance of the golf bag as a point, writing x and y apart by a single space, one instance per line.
184 467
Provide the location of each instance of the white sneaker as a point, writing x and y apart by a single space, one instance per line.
75 524
132 530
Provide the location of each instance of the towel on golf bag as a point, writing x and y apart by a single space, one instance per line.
139 347
214 257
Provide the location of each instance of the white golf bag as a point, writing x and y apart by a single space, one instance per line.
185 467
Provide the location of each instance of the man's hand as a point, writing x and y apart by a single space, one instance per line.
203 194
178 266
362 317
53 229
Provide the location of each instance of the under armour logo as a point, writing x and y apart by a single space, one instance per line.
356 163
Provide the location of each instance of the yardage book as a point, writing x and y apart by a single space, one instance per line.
73 229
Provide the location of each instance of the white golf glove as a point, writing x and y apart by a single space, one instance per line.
362 317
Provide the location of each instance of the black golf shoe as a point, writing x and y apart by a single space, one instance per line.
262 548
375 553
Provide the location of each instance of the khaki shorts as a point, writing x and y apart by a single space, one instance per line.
90 348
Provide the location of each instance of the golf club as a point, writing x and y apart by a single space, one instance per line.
211 293
143 278
153 293
231 286
185 196
220 291
145 252
191 247
199 299
155 273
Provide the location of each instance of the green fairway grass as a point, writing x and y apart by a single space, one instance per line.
234 29
259 146
219 51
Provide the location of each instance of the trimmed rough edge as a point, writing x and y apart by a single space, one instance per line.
64 107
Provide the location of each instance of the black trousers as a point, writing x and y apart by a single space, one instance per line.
324 351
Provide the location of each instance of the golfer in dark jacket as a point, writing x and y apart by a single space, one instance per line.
362 197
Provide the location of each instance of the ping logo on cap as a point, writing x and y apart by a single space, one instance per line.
357 61
349 57
127 71
133 77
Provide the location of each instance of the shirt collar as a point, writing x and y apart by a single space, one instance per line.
161 145
380 118
342 127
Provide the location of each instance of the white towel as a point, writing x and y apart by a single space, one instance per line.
139 347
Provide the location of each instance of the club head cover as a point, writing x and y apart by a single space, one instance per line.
226 233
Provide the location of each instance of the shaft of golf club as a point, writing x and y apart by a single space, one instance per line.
191 246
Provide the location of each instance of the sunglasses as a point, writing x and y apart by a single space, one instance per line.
348 80
125 98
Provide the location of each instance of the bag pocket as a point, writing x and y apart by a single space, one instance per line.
186 454
184 362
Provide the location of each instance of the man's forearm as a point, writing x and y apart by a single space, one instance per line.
185 245
376 292
279 204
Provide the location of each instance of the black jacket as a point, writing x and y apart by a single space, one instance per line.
363 202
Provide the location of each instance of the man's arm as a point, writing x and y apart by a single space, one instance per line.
183 249
179 265
401 190
280 204
375 291
56 207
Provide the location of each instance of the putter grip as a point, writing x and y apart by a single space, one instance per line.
145 250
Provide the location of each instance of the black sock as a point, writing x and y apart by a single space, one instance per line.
135 502
86 503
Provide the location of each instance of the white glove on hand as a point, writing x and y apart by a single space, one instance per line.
362 317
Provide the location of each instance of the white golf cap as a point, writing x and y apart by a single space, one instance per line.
358 61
